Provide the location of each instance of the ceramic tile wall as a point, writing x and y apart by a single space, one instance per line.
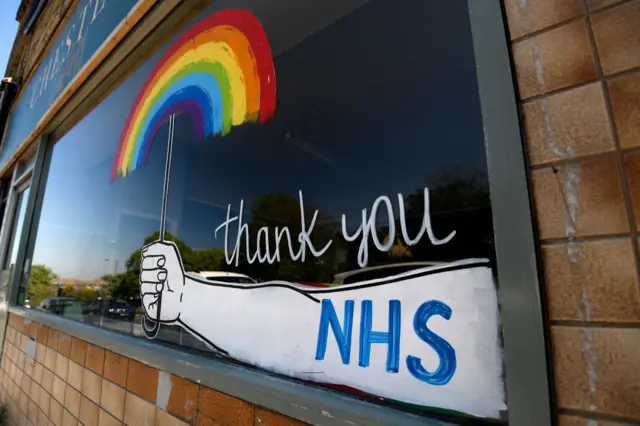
578 72
50 378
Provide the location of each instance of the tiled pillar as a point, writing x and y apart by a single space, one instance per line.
578 74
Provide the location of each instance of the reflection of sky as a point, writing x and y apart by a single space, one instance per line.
8 29
371 105
133 230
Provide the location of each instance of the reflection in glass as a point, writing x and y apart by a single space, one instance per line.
8 267
372 104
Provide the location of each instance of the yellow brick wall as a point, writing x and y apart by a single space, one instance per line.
50 378
578 73
29 49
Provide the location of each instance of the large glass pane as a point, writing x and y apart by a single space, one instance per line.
9 264
327 212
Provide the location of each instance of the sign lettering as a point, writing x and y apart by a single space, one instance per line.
365 232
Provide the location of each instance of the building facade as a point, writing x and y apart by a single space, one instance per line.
345 213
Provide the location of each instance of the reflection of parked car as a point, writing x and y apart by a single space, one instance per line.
225 277
57 305
112 308
381 271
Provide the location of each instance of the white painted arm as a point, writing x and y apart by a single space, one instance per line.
396 338
217 313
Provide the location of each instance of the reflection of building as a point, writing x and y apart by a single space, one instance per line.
97 284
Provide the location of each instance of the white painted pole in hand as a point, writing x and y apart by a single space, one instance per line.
154 328
167 176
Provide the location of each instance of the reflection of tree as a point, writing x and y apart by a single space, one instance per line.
86 294
41 284
126 284
276 210
399 250
454 191
458 201
273 211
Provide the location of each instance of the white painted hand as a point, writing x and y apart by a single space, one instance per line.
161 273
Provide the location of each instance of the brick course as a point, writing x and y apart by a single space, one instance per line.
87 397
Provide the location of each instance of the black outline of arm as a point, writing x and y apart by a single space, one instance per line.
345 287
471 264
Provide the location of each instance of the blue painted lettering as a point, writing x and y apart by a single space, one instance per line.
445 351
391 338
328 317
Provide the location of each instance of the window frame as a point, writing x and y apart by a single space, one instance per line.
18 194
20 180
527 367
19 183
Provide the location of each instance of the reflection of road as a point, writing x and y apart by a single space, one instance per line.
122 326
167 333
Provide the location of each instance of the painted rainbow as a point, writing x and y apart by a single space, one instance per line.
220 72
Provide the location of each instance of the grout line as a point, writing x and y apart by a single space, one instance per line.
197 419
197 416
605 8
253 409
549 93
573 160
100 408
631 150
584 158
621 74
124 403
595 324
594 415
585 12
561 90
549 28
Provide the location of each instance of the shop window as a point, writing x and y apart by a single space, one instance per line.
317 206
